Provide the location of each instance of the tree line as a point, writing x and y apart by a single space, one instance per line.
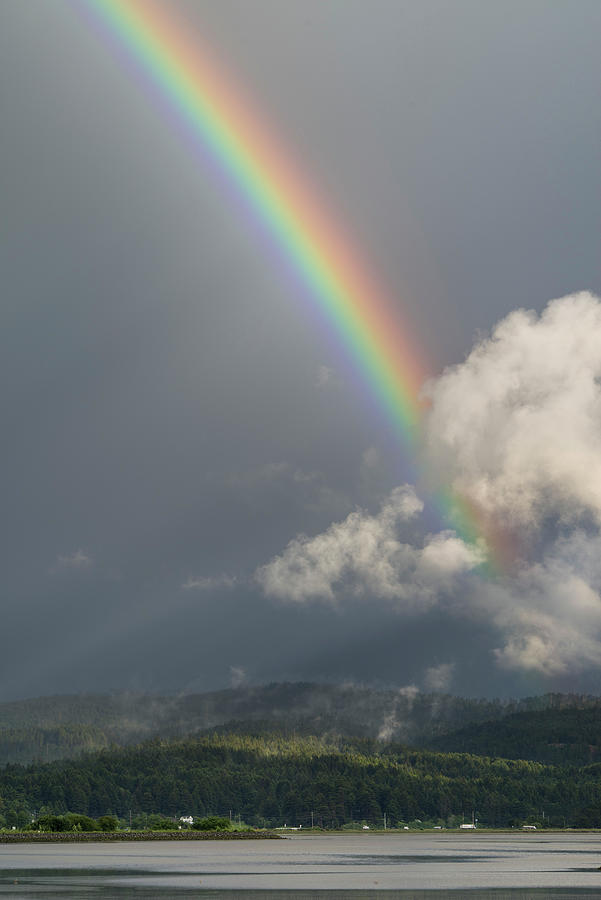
273 779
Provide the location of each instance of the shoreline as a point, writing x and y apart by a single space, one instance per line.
83 837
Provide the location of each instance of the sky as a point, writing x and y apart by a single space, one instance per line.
199 486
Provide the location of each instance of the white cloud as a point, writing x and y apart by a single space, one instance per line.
238 676
516 428
210 582
516 431
394 723
549 612
327 377
76 560
364 555
409 692
438 678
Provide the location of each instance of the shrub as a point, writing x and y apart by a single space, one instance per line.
213 823
78 822
50 823
164 825
108 823
68 822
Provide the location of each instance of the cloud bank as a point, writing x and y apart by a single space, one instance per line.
364 555
516 430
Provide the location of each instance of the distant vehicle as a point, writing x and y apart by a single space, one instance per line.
469 825
528 827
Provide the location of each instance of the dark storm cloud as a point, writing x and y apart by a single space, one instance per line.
167 416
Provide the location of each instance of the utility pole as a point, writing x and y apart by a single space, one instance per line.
311 818
384 821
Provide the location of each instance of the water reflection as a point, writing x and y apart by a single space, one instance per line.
101 884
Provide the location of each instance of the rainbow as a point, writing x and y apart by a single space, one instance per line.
223 124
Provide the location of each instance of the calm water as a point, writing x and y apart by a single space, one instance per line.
439 866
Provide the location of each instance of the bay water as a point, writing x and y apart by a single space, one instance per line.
476 865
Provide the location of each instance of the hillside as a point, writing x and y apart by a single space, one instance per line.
49 728
275 779
568 736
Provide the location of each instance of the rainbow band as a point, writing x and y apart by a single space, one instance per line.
222 122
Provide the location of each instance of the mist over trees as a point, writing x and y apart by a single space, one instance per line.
51 728
302 753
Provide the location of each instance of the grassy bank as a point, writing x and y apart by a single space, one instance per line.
86 837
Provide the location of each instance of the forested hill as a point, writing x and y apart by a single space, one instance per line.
49 728
273 780
568 736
